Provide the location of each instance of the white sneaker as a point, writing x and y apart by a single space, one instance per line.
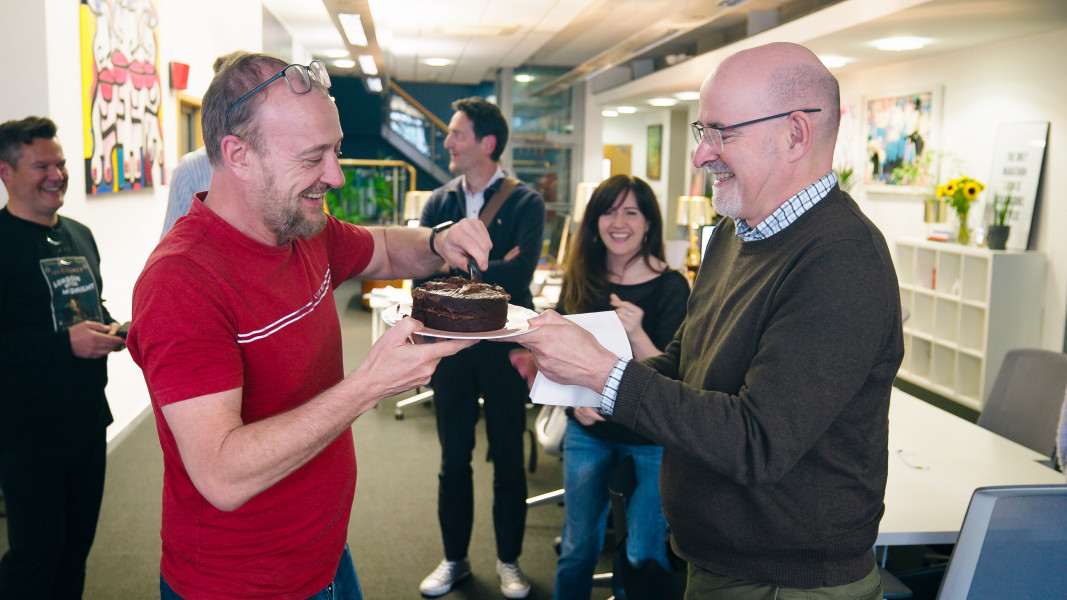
446 575
513 582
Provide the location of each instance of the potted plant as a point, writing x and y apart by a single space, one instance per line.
961 194
921 173
999 230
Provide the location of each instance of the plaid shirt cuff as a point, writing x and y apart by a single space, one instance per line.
611 389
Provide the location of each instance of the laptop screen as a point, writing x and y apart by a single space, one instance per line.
1013 544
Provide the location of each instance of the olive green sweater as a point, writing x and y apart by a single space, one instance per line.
772 401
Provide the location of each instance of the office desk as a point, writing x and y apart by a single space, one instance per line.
926 505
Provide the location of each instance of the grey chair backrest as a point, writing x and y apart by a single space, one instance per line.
1024 405
1013 544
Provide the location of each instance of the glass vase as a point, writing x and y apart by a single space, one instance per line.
964 235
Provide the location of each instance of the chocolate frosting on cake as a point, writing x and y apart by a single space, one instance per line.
461 305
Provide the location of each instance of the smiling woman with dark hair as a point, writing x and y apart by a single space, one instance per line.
617 264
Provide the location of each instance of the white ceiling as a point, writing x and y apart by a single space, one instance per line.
481 36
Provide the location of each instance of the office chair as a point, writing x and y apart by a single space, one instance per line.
1013 544
1025 402
1061 439
419 398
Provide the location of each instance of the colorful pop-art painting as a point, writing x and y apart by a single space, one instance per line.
899 128
121 95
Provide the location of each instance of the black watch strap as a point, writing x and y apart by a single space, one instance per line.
433 234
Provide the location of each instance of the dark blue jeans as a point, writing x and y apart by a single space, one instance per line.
345 584
588 462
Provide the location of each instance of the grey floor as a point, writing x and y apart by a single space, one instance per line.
393 533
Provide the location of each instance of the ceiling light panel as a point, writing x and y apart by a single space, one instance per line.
352 25
366 64
900 44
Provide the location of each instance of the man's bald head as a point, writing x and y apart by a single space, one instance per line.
784 76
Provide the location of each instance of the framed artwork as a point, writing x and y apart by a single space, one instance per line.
845 151
654 164
899 128
1018 158
121 95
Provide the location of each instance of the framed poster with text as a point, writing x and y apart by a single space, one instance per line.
1018 158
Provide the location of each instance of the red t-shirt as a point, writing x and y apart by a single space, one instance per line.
214 310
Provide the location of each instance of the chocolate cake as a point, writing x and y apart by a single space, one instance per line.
458 304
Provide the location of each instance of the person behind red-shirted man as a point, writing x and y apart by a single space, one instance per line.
55 335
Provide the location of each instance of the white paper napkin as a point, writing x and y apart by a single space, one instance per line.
608 330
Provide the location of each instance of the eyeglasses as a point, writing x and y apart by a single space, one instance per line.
713 135
299 79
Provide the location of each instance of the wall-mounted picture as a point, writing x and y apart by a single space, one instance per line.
899 128
121 95
655 151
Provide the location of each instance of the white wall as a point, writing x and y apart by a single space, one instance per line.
1009 82
632 130
44 41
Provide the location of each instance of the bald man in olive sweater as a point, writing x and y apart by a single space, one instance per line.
772 401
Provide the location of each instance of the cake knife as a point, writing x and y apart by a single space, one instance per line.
476 273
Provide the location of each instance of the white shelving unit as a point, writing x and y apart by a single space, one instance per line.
968 307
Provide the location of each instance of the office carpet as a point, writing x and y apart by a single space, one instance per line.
393 532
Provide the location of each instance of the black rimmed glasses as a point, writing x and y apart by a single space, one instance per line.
298 77
713 135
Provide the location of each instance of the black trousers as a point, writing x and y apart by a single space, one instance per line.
53 491
482 370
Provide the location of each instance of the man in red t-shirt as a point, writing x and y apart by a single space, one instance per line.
236 331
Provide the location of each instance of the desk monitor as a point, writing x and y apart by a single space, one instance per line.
705 235
1013 544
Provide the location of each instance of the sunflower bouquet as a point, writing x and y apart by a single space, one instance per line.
961 194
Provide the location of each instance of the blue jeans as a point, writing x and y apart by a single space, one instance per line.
587 465
345 584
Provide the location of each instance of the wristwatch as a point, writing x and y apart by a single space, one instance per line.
433 233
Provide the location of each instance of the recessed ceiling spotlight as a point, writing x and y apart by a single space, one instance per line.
687 95
663 102
898 44
335 53
344 63
524 78
834 62
609 113
437 62
626 110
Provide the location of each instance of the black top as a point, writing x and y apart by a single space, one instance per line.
663 300
49 280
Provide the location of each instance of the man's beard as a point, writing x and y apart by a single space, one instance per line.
725 199
287 218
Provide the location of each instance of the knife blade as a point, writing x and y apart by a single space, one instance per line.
476 273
